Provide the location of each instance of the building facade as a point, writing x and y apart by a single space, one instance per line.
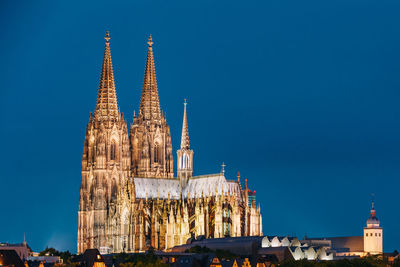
370 243
129 198
373 234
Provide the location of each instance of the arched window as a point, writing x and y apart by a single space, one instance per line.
157 156
185 161
113 151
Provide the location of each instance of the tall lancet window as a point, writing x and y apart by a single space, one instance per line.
185 161
182 162
113 151
157 153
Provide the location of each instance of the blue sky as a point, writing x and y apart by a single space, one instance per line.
302 97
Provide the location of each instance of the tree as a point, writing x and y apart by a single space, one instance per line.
64 255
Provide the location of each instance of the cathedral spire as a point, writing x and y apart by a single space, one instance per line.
185 154
107 106
150 133
185 130
150 103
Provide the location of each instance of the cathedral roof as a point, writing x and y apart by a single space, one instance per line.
208 185
153 187
107 106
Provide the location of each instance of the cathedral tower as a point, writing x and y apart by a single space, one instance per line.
150 137
123 207
185 154
373 234
105 161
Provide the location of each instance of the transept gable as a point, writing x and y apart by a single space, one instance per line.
157 137
115 134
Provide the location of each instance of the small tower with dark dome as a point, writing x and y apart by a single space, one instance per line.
373 234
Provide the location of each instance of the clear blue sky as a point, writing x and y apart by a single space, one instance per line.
302 97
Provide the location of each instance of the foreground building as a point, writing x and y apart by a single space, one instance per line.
275 249
271 248
129 198
10 258
22 249
370 243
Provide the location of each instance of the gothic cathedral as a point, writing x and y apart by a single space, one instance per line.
129 198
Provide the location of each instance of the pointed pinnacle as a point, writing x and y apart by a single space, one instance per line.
107 37
107 106
185 143
150 42
149 102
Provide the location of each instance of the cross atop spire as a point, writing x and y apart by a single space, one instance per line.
150 103
373 200
107 37
373 205
107 106
185 130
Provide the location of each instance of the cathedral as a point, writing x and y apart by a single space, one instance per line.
130 199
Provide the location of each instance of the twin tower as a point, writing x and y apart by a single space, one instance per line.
129 198
111 156
147 152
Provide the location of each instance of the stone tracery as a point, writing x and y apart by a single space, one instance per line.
129 198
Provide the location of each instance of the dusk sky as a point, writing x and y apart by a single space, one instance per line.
301 97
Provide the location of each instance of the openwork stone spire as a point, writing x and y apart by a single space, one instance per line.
107 106
105 165
150 134
185 154
185 130
150 103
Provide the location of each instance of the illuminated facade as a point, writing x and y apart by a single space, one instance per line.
129 198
